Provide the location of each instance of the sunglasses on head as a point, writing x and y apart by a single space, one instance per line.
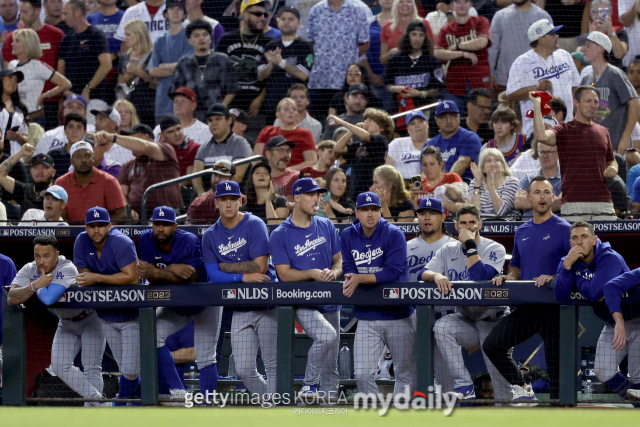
259 14
221 168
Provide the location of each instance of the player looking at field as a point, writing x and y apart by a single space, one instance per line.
587 267
470 258
374 253
236 249
104 255
48 277
538 246
307 247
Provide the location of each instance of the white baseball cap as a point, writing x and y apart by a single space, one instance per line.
80 145
110 112
598 38
540 29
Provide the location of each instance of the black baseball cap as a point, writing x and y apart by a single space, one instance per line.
9 72
260 165
168 121
181 3
279 140
43 158
239 115
289 9
416 25
141 128
218 110
358 88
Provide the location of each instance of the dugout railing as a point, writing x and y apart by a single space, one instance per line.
287 296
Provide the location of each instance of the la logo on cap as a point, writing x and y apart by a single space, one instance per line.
96 214
446 105
161 213
428 202
227 187
368 198
314 181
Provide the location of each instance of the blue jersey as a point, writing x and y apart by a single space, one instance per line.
109 26
462 143
538 248
614 289
182 339
118 252
185 249
7 274
306 248
383 255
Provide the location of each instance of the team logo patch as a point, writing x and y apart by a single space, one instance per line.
391 293
229 294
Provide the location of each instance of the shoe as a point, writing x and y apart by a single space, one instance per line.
463 393
523 396
177 395
633 395
308 390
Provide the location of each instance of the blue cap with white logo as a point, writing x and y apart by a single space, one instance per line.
412 115
431 203
228 188
447 107
368 198
164 214
97 214
57 192
307 185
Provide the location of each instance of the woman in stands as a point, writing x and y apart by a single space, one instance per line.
128 114
394 197
493 187
262 201
335 203
356 73
13 112
132 72
507 140
403 12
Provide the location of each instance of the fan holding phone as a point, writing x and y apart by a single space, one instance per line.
600 12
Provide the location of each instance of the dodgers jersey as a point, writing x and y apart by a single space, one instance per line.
419 253
64 274
451 261
118 252
185 249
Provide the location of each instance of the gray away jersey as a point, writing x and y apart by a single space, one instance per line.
450 261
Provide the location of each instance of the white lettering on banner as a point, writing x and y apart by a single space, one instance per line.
246 293
29 232
300 294
105 296
309 245
617 226
368 256
138 231
432 293
232 247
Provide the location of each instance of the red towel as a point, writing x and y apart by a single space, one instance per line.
544 98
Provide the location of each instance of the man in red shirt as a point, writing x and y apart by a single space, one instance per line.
586 158
279 155
464 44
88 187
304 154
171 132
326 157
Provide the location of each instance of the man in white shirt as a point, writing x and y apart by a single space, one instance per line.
405 152
543 68
55 200
184 104
157 24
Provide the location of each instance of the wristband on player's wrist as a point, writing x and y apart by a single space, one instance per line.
472 247
31 287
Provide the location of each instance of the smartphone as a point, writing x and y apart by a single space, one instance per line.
416 181
603 13
15 129
327 197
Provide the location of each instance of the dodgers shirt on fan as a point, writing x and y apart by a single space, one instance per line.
383 255
118 252
462 143
306 248
538 248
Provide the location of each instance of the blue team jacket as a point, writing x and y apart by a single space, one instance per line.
614 289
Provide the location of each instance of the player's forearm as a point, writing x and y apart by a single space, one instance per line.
514 273
368 279
291 275
18 295
117 279
240 267
618 318
159 275
428 276
337 267
184 355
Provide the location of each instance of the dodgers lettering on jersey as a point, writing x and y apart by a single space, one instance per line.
555 71
419 253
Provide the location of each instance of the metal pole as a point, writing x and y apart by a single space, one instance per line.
286 323
148 357
568 355
425 348
15 354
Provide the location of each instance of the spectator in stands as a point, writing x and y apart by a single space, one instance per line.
224 144
523 77
84 56
75 128
465 43
53 15
298 92
567 15
185 149
584 162
88 187
289 60
633 73
151 12
185 103
107 19
478 113
529 161
128 114
459 146
92 6
12 112
616 35
558 109
203 209
413 75
509 38
404 152
167 51
194 12
493 187
619 110
394 197
446 186
213 82
336 204
337 27
628 12
108 119
154 163
54 200
550 169
356 73
443 14
262 200
240 118
326 159
370 149
375 69
248 41
132 71
355 102
50 38
100 161
26 194
278 153
403 13
304 152
506 139
9 14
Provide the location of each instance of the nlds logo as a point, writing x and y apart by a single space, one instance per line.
391 293
246 293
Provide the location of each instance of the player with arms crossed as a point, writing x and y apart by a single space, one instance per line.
170 255
307 247
49 276
538 246
588 266
374 253
236 249
470 258
104 255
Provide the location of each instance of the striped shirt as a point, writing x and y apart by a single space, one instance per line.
506 191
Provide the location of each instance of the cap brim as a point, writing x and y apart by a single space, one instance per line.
555 29
97 220
43 192
128 132
164 220
229 194
318 189
430 209
369 204
359 92
96 112
44 162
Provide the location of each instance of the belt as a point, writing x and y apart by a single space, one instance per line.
492 317
80 316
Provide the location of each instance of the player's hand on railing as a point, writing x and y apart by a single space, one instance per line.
499 280
619 337
183 271
351 282
444 285
542 280
327 275
86 279
144 269
254 278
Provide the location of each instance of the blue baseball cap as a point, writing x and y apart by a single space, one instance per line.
446 107
75 97
57 192
307 185
164 214
368 198
413 114
228 188
431 203
97 214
